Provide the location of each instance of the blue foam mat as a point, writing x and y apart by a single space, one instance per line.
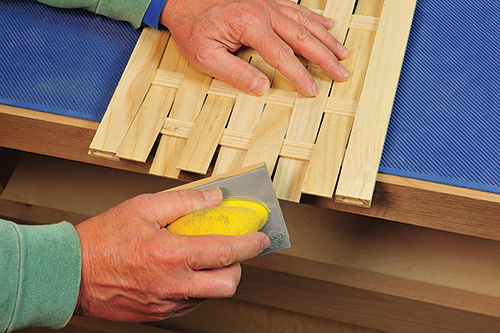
66 62
445 124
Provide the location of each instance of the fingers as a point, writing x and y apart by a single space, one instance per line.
165 207
292 30
214 251
235 71
216 283
312 22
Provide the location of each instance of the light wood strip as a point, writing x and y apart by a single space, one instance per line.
341 107
130 92
271 129
235 140
245 116
206 134
296 150
186 107
303 127
269 136
167 78
364 23
307 113
147 124
324 167
360 168
177 128
341 12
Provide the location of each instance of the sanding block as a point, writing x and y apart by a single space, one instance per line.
253 183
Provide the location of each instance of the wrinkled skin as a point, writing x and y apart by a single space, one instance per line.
134 270
208 32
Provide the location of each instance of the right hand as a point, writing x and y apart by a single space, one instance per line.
134 270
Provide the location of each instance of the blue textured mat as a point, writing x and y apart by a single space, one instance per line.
65 62
445 125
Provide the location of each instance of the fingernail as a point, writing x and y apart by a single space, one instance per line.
315 89
265 243
330 21
260 86
342 48
212 194
343 71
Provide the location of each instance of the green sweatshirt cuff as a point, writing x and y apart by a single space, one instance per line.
124 10
49 275
131 11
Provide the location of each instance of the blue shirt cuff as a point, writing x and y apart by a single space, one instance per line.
152 15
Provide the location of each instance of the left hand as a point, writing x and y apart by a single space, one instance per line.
208 31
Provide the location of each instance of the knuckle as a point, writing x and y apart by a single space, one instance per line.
303 36
226 255
301 18
286 54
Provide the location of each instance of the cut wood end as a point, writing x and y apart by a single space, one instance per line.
317 192
352 201
104 154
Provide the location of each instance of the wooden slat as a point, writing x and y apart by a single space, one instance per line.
207 132
307 113
303 127
186 107
271 129
269 136
324 167
130 92
364 22
245 116
360 168
147 124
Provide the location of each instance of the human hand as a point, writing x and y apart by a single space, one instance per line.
133 269
208 31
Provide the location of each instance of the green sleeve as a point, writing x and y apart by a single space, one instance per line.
123 10
40 270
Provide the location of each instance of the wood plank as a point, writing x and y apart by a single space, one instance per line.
130 92
207 132
303 127
147 124
360 168
187 105
328 154
153 112
268 137
42 181
427 204
233 315
351 305
246 114
307 113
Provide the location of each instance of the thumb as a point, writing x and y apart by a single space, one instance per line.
165 207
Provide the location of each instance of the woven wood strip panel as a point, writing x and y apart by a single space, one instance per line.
201 121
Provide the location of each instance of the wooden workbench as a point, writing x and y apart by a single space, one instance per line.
423 258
